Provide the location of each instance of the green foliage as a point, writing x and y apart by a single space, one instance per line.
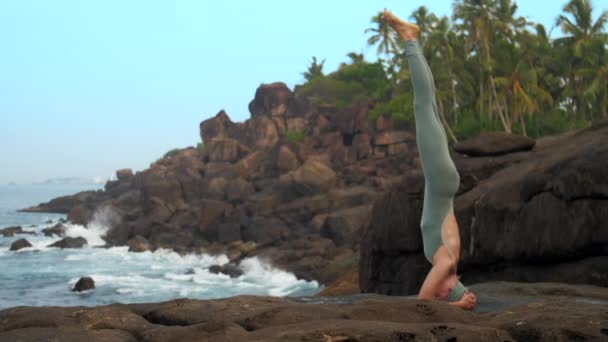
371 76
293 136
354 83
550 123
470 125
327 90
314 70
171 153
399 108
494 70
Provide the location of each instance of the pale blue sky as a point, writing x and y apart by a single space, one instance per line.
88 87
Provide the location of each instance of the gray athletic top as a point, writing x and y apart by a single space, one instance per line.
441 177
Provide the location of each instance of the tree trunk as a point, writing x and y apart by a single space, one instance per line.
454 106
523 124
480 92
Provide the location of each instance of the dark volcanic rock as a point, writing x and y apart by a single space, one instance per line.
215 127
64 204
58 229
70 242
545 211
229 269
84 284
18 244
270 99
10 231
494 143
513 315
139 244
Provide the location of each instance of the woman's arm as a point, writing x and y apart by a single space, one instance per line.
437 273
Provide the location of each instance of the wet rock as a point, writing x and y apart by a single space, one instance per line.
80 215
229 269
58 230
19 244
345 318
10 231
139 244
64 204
70 242
84 284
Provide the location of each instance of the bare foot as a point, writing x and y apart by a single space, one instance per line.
407 31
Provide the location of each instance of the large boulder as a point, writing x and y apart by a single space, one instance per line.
19 244
545 210
345 227
70 242
224 150
494 143
215 127
312 177
270 99
58 229
139 244
84 284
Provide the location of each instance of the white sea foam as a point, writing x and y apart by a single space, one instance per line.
125 276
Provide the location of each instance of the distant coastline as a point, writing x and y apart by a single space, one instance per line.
69 180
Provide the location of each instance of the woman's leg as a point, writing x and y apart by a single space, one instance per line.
441 177
438 167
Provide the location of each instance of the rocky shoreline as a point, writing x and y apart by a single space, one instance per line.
506 311
324 204
340 203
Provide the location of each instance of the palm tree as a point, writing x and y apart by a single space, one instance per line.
598 74
424 20
355 58
314 70
581 31
383 35
440 54
477 18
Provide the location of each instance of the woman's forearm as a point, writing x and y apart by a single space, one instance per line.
432 280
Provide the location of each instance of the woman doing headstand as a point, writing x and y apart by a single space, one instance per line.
441 240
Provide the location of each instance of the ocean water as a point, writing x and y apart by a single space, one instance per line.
42 276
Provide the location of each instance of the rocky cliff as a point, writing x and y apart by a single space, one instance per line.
294 184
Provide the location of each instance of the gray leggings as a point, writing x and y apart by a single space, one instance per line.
441 177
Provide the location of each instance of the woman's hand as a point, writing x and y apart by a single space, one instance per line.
468 300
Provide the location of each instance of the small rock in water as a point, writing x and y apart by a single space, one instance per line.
83 284
10 231
230 269
57 229
49 221
139 244
70 242
21 243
